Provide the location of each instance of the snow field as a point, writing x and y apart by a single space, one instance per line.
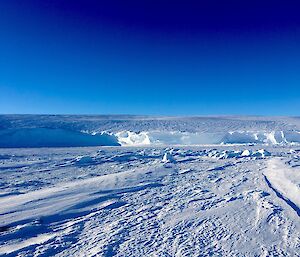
153 201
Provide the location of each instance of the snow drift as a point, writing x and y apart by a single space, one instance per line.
45 137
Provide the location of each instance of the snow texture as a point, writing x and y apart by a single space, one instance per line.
149 198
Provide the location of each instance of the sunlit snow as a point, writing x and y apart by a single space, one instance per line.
149 186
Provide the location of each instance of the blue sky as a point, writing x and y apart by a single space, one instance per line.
150 57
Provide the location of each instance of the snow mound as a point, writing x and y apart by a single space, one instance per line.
45 137
84 160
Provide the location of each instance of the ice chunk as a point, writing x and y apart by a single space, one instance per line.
246 153
261 153
168 157
128 138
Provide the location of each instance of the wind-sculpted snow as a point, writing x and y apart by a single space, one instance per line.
224 200
285 182
149 186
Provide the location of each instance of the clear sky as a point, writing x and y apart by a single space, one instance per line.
150 57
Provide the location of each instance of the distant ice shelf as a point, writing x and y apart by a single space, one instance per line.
78 131
54 137
49 137
129 138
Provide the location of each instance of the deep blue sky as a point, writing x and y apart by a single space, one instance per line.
150 57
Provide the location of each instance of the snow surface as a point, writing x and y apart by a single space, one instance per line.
149 198
285 182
